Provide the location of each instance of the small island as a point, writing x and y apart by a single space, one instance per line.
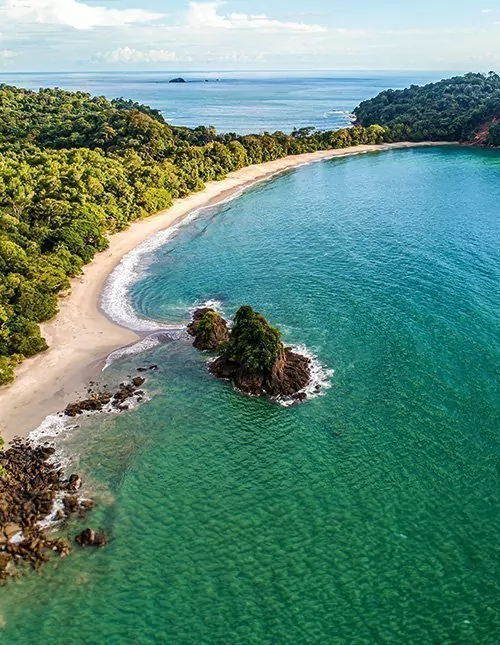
251 354
178 80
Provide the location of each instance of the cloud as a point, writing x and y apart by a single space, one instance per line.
6 54
72 13
205 14
130 55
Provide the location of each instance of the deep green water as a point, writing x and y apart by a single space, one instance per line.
368 515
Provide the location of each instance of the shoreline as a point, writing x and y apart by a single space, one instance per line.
81 336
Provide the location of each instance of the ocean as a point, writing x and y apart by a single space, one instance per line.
368 514
241 102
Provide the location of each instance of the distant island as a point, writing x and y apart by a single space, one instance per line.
76 168
178 80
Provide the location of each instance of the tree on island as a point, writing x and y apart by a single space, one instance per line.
254 344
251 354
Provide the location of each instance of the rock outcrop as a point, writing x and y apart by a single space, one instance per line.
178 80
89 537
30 484
209 329
98 400
252 355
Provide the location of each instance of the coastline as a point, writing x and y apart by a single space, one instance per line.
81 336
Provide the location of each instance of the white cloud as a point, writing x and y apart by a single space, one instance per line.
6 54
130 55
72 13
205 14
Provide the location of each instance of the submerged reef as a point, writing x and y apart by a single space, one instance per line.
251 354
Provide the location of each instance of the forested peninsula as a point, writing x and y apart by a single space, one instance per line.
463 108
76 168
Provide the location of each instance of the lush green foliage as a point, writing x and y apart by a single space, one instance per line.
493 138
254 344
451 110
206 327
74 168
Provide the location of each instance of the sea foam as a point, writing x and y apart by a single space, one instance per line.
320 380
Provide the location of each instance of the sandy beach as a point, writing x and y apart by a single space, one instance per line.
81 337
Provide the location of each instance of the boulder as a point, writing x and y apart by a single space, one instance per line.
74 483
89 537
10 529
209 329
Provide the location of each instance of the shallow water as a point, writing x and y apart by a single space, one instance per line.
366 515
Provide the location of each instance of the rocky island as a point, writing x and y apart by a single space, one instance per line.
251 354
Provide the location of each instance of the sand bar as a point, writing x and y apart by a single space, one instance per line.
81 337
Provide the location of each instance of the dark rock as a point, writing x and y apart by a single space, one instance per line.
74 483
138 381
10 529
223 368
94 404
153 368
178 80
209 329
290 378
142 369
89 537
256 360
71 504
28 490
62 547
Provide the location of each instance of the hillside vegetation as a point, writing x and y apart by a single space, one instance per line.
74 168
455 109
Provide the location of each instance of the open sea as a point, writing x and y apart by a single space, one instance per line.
241 102
367 515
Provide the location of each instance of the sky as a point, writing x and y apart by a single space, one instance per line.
82 35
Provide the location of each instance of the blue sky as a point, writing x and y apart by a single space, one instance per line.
55 35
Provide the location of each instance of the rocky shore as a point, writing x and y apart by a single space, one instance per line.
251 354
31 485
35 489
98 399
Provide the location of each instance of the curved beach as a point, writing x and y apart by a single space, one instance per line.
81 336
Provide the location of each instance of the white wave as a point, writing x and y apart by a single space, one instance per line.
172 332
216 305
320 380
143 345
52 518
115 299
50 428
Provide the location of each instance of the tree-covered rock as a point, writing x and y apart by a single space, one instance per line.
255 359
209 329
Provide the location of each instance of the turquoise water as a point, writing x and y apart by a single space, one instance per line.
368 515
237 101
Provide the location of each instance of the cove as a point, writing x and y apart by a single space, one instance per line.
366 515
